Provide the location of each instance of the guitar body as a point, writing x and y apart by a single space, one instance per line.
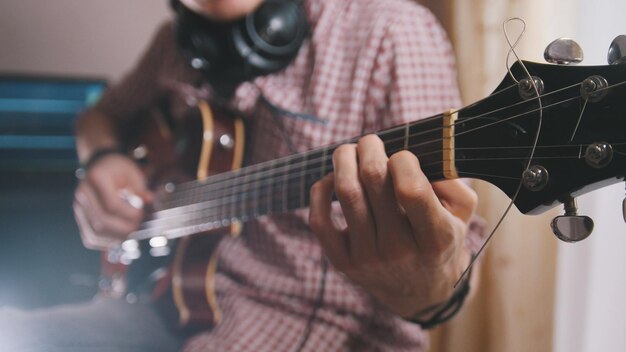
205 143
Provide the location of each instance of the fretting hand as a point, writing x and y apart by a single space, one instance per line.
404 241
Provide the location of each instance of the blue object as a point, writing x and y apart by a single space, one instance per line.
37 115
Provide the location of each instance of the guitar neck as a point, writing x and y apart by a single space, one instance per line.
279 185
564 143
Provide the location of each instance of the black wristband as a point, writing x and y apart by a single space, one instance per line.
447 310
94 158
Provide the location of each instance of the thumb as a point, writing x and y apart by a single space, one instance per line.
457 197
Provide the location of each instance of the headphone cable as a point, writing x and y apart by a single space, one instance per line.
318 304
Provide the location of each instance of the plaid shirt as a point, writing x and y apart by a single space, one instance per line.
369 64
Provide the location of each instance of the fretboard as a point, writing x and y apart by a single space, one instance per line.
276 186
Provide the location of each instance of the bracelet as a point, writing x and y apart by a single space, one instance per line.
446 311
94 158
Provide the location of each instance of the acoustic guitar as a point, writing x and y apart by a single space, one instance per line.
540 151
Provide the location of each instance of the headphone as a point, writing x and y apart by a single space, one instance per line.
262 42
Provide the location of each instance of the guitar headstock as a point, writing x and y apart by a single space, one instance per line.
571 141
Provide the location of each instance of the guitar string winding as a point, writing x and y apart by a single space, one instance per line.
580 118
475 256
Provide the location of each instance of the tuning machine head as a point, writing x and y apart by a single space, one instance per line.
563 51
617 51
572 227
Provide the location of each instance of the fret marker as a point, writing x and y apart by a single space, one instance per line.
449 166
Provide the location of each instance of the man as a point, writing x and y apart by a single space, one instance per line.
401 243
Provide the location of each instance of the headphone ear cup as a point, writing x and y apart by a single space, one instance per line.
201 41
260 43
269 38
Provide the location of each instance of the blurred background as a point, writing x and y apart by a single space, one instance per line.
536 294
55 59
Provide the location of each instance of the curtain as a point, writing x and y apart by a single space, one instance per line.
512 308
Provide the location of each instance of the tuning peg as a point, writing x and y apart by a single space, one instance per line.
571 227
563 51
617 51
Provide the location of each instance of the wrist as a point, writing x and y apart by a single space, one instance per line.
437 314
95 157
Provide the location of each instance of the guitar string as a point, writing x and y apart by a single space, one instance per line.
580 118
237 176
248 203
317 171
463 121
287 159
242 190
282 177
228 176
398 128
215 207
260 173
203 184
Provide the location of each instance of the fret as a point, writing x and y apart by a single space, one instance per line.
172 197
278 190
425 142
303 174
276 195
272 198
313 173
264 185
394 139
324 157
243 197
195 196
251 195
255 194
234 199
284 184
265 179
222 204
295 181
285 187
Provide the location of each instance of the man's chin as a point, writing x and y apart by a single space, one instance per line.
222 10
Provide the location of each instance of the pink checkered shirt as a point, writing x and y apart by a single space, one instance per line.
369 64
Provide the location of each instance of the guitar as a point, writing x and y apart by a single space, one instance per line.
539 151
